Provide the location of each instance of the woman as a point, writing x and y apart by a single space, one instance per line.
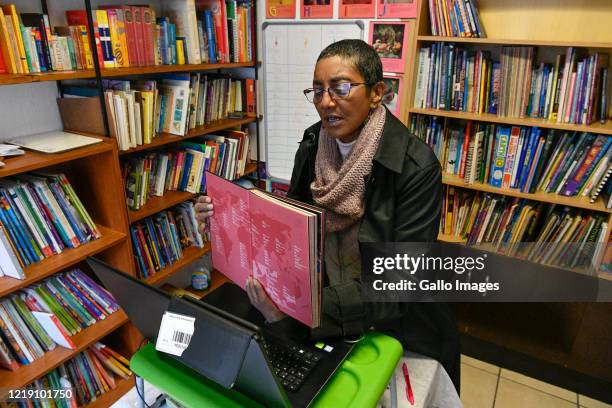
378 183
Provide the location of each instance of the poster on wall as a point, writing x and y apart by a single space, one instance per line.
396 8
357 9
393 93
280 9
390 40
316 8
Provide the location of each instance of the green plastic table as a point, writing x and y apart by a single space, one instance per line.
359 381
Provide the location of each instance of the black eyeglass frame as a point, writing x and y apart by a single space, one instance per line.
331 91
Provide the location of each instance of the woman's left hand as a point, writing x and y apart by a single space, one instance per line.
260 299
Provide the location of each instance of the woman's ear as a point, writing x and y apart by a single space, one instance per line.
376 94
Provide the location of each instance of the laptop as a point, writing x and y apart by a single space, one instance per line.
230 345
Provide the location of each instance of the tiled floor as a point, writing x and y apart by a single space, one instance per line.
484 385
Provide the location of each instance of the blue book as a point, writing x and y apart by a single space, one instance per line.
186 171
21 227
210 34
458 18
149 232
499 156
80 232
172 43
141 263
16 239
163 240
164 43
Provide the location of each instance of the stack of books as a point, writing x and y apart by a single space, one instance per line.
573 90
140 111
40 216
36 319
539 232
82 379
183 168
128 36
528 159
158 241
455 18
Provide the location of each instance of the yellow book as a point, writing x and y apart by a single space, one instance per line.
10 10
180 52
12 62
146 117
122 35
118 52
85 47
553 94
483 77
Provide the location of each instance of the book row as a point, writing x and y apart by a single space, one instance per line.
40 317
572 90
139 111
538 232
219 31
158 241
40 216
184 168
455 18
79 381
527 159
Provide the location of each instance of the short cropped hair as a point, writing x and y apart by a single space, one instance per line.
363 57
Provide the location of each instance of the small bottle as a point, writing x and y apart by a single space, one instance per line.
200 279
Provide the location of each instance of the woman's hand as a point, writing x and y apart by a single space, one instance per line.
203 209
259 298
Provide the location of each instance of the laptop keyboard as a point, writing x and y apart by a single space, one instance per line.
290 363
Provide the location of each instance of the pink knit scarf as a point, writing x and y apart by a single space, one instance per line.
339 186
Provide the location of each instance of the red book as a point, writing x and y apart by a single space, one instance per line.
464 149
250 97
148 30
130 36
258 235
139 34
2 66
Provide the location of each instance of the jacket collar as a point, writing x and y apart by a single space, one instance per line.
393 144
391 149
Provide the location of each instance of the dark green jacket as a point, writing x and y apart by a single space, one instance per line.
403 204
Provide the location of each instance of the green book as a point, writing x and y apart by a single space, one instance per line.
72 301
37 329
68 322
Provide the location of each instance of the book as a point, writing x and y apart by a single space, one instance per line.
275 241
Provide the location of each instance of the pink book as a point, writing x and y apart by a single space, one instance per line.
316 8
570 97
357 9
390 40
255 234
396 9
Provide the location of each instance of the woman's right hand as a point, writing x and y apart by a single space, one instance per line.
203 209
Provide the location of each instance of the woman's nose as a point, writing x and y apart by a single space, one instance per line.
327 100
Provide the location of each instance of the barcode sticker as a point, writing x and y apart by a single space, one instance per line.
175 332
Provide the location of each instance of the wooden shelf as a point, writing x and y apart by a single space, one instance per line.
217 279
171 198
56 263
500 41
33 160
159 69
165 138
109 398
157 204
451 238
28 373
189 255
12 79
576 202
605 129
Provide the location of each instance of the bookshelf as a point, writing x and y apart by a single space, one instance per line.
561 334
95 174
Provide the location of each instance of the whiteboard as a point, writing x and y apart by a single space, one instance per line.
290 53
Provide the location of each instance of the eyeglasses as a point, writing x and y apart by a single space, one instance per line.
338 91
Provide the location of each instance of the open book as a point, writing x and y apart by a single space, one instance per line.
276 240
